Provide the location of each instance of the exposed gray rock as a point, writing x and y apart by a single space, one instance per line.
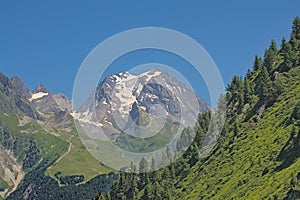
124 101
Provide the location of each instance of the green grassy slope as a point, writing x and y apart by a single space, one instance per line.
77 161
247 169
258 153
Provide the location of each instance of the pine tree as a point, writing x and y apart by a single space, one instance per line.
248 91
264 86
295 43
133 190
195 154
257 63
122 187
236 92
283 42
248 74
289 57
143 169
200 134
270 56
152 173
296 28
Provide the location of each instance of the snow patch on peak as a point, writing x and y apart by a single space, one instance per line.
38 95
126 85
150 74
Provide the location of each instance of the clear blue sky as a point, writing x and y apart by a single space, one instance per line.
45 42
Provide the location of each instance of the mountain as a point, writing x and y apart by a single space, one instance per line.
257 155
15 96
137 104
40 147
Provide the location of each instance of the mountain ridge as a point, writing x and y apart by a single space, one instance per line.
122 100
35 120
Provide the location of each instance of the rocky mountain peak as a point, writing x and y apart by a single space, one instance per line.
124 100
19 87
40 88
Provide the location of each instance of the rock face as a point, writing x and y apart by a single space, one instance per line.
41 88
15 96
54 108
124 102
20 88
39 104
63 102
42 100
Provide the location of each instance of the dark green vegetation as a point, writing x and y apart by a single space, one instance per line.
257 155
45 187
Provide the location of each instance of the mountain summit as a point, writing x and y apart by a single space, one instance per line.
131 103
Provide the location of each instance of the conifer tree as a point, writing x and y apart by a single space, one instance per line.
295 53
270 56
121 187
248 91
264 86
143 169
296 28
288 58
283 41
195 154
236 92
248 74
133 190
257 63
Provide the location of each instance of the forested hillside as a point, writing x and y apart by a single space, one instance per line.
257 155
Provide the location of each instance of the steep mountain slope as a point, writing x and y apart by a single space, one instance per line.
254 163
257 155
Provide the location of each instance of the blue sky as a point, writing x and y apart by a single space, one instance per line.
46 42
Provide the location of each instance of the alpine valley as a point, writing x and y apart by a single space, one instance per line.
257 155
40 146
